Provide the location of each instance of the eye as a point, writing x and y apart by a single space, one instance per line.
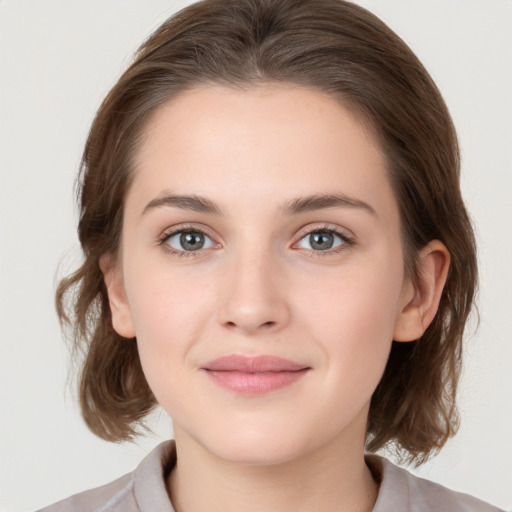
188 241
322 240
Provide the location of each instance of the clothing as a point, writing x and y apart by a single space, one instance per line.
144 490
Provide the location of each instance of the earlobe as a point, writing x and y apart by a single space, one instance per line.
119 307
422 297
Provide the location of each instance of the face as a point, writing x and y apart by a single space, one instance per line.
261 270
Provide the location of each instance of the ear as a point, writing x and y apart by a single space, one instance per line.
120 309
420 300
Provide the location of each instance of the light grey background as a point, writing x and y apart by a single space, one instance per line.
58 59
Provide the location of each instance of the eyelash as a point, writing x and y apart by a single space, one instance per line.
167 235
347 241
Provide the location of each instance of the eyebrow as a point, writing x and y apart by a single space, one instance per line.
323 201
192 202
294 206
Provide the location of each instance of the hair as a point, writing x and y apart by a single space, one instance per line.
331 46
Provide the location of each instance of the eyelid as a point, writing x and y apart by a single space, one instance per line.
344 234
170 232
186 227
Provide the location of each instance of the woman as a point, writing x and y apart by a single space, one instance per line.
264 199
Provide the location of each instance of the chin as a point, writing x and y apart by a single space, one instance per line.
262 453
254 447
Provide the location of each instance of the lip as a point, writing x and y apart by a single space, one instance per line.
254 375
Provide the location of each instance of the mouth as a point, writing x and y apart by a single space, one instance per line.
254 375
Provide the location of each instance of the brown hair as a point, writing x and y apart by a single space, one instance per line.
340 49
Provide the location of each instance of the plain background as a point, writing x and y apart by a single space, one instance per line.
57 61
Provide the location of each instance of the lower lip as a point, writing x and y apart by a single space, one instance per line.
248 383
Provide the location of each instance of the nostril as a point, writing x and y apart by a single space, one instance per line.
265 325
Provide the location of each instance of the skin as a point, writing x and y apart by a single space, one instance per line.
259 287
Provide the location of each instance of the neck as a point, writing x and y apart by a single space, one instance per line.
331 478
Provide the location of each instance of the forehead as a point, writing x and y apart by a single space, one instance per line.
265 142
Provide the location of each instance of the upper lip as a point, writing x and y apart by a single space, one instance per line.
258 364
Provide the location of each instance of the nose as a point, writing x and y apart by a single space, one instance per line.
254 295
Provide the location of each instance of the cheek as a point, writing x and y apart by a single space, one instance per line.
169 313
164 300
353 320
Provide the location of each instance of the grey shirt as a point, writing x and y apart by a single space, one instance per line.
144 490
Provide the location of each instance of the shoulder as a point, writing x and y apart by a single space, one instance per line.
402 491
110 494
138 491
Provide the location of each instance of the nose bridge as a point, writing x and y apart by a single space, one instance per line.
253 297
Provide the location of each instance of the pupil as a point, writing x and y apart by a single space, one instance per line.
192 241
321 241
